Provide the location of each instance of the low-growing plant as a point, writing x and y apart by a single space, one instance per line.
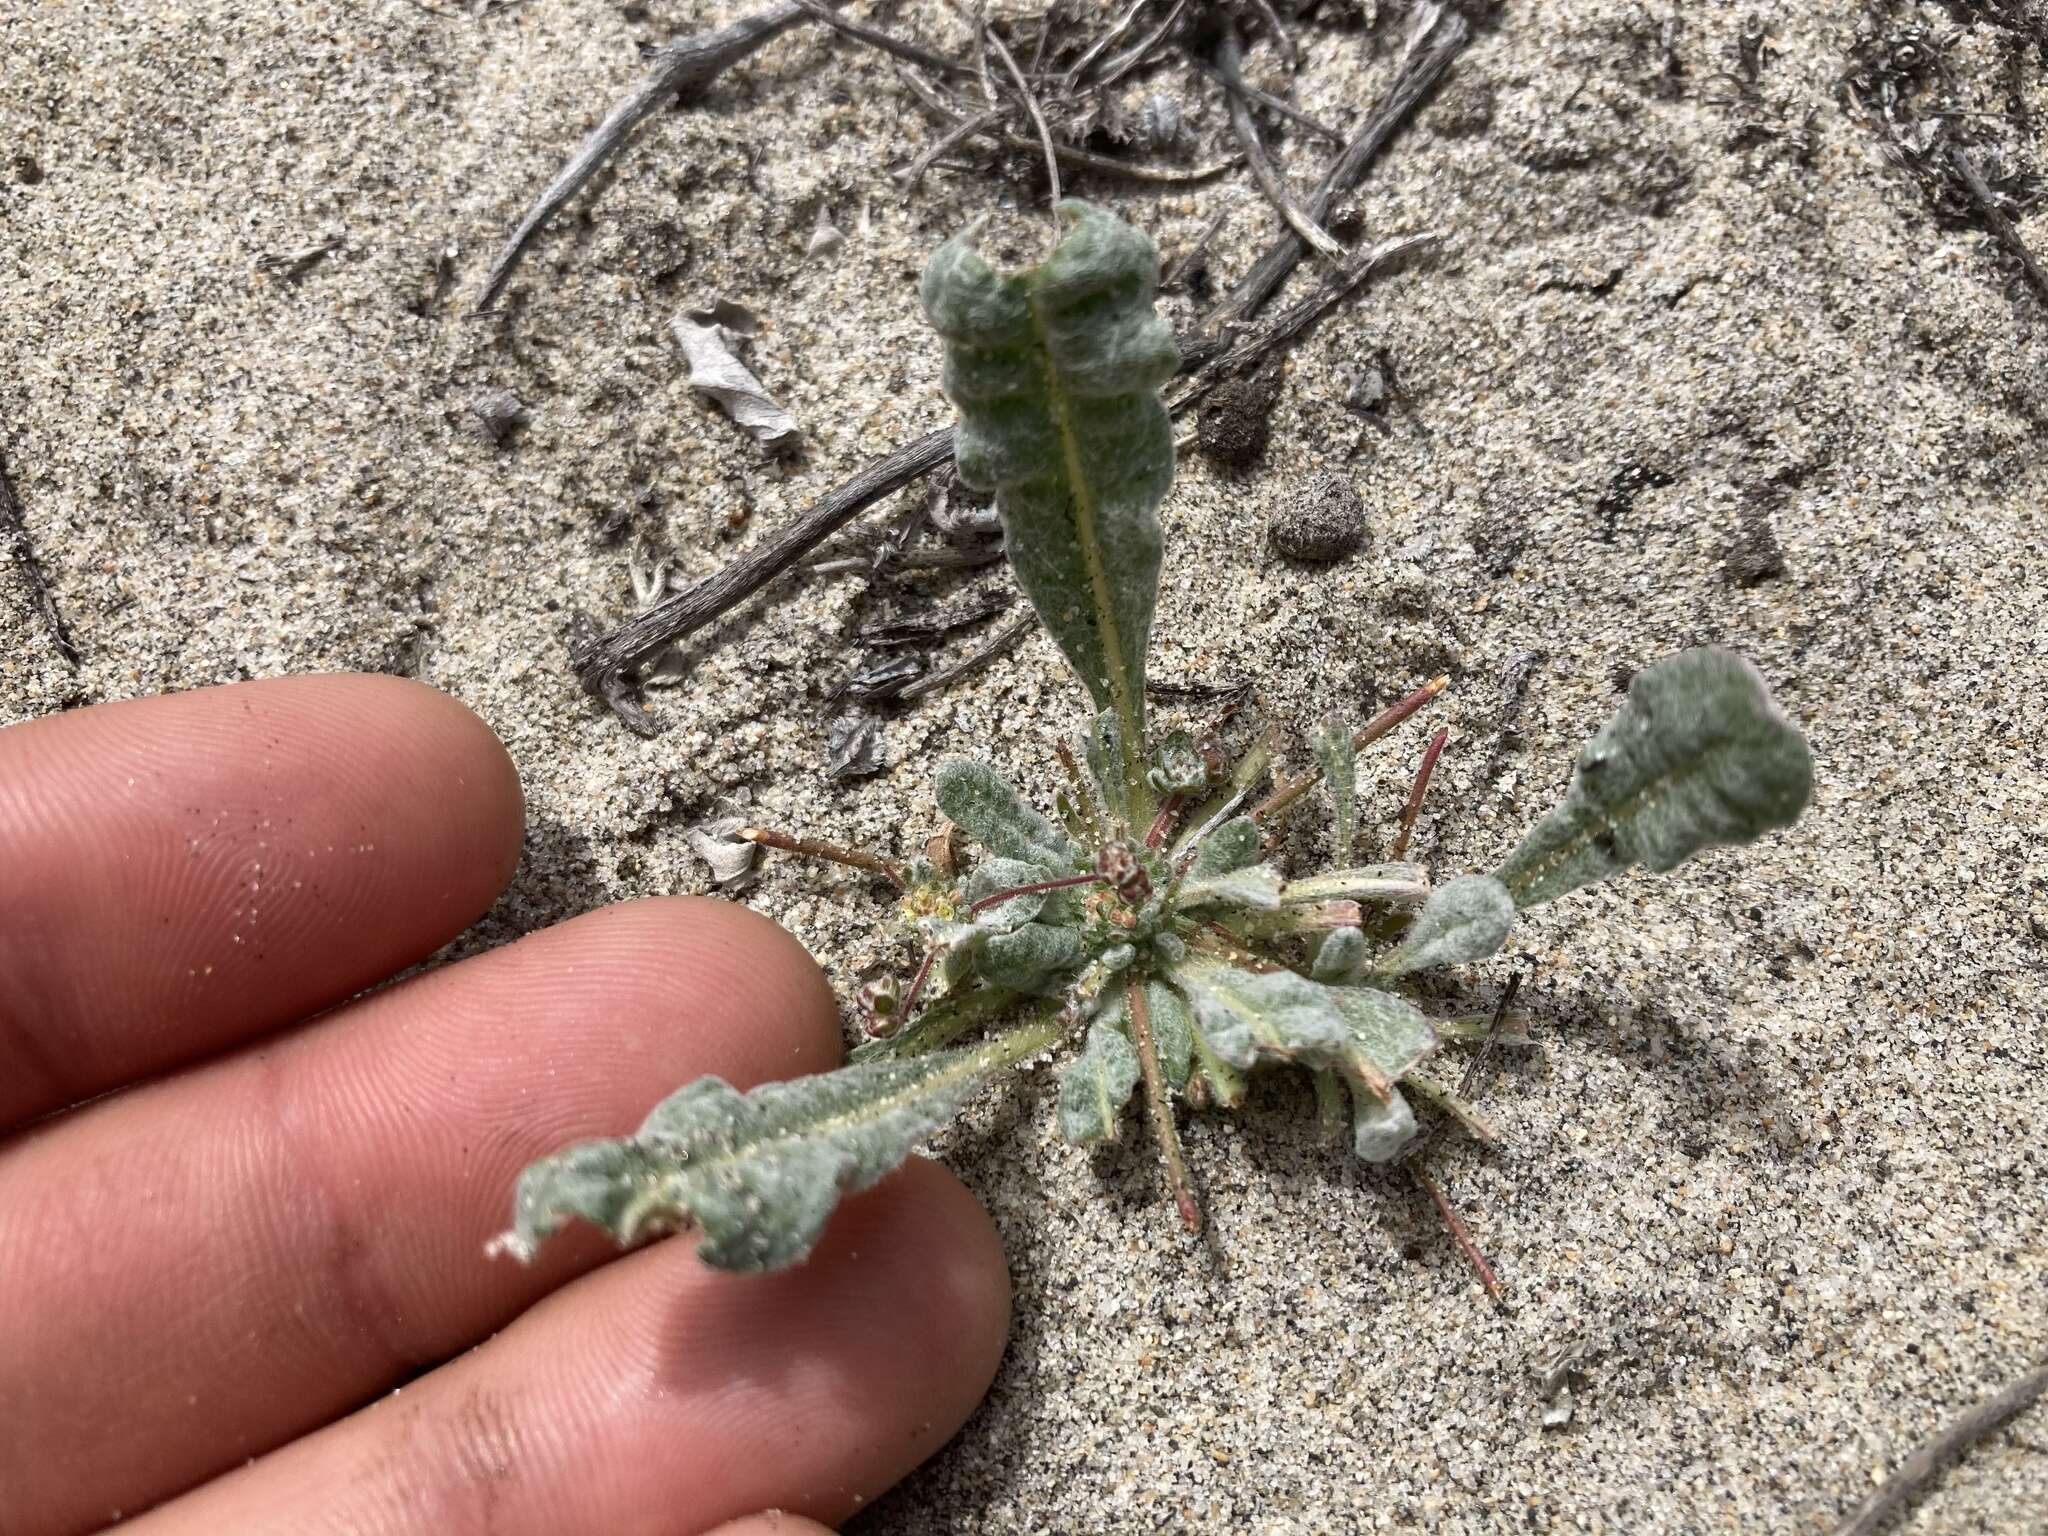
1142 928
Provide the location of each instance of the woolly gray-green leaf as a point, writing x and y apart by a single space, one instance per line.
976 798
1380 1128
1246 1015
1340 781
1230 847
1393 885
1697 756
1463 921
1032 958
1257 885
1340 957
1055 372
759 1173
1096 1085
1000 874
1173 1032
1388 1034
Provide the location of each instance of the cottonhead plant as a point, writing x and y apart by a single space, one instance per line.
1142 928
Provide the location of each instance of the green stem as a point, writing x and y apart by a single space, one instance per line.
1333 1105
1014 1045
940 1025
1226 1083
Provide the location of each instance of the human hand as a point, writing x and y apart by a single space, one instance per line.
268 1217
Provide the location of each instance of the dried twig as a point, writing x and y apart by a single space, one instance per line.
887 42
992 125
973 661
1439 37
601 663
1140 52
14 529
951 139
1272 103
1987 209
1277 29
1052 159
683 70
1214 361
1911 1479
1230 64
1095 50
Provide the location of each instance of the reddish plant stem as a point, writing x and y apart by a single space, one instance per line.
1459 1234
1156 1100
997 898
832 853
1413 808
924 971
1169 812
1365 736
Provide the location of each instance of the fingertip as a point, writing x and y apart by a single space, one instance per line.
772 1522
483 780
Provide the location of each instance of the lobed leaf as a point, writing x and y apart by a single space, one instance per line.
1697 756
984 806
1466 920
1096 1085
1055 372
758 1173
1032 958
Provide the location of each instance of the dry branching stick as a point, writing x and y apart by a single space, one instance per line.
1911 1479
2007 232
1440 35
973 661
887 42
1230 65
1052 159
1271 103
683 69
602 663
1140 52
993 124
1095 50
14 529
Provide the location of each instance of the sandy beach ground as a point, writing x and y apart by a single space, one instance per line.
1693 365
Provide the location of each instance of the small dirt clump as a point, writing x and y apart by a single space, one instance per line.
1321 520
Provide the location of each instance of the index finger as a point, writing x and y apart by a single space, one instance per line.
181 872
